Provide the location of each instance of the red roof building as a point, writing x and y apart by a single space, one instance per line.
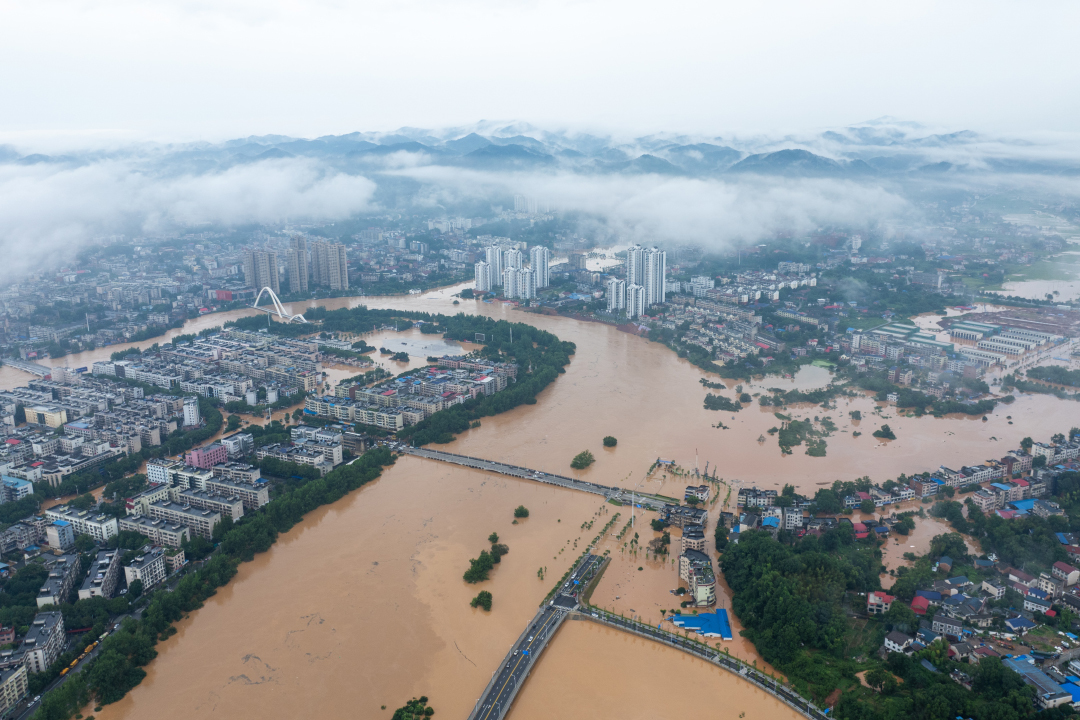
920 605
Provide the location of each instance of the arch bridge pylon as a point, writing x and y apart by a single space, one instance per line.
279 309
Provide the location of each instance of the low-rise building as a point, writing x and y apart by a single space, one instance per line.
101 582
878 603
149 567
897 641
1034 604
945 625
1065 572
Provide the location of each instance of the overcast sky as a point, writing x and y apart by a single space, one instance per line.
213 69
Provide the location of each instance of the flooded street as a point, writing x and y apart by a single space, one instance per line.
363 605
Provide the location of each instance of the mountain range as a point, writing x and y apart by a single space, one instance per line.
885 147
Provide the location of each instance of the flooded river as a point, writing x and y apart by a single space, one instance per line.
362 604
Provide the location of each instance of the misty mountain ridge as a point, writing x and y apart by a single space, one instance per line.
884 147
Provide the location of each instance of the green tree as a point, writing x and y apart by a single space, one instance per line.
582 460
479 567
135 589
483 600
609 441
885 433
867 506
721 537
1026 444
493 537
521 511
233 423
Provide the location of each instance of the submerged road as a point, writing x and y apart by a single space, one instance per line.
507 680
606 491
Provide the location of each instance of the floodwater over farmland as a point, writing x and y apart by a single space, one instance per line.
362 604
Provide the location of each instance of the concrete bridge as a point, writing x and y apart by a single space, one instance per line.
508 678
27 366
606 491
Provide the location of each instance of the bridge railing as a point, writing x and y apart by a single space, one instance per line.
771 685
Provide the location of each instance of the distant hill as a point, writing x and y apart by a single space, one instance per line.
505 157
467 144
796 163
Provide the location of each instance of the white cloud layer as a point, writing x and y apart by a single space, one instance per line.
655 208
47 212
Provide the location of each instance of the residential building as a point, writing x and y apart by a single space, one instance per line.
540 261
200 522
209 456
149 567
192 416
13 687
298 264
1065 572
329 265
60 535
1034 604
897 641
693 538
238 444
261 270
43 642
100 527
878 603
13 489
995 591
616 295
695 569
61 579
635 301
945 625
482 276
157 530
104 572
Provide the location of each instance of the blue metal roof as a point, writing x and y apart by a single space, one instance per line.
707 624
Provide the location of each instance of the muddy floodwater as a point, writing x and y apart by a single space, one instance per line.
363 605
591 671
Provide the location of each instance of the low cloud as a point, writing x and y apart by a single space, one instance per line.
664 209
48 211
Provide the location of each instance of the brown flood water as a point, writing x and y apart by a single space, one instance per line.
591 671
363 605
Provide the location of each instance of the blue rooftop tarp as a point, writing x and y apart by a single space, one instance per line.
1062 539
1024 505
929 594
1072 689
707 624
770 522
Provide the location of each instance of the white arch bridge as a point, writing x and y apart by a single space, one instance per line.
278 308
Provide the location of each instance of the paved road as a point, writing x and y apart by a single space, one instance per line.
507 680
606 491
770 685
